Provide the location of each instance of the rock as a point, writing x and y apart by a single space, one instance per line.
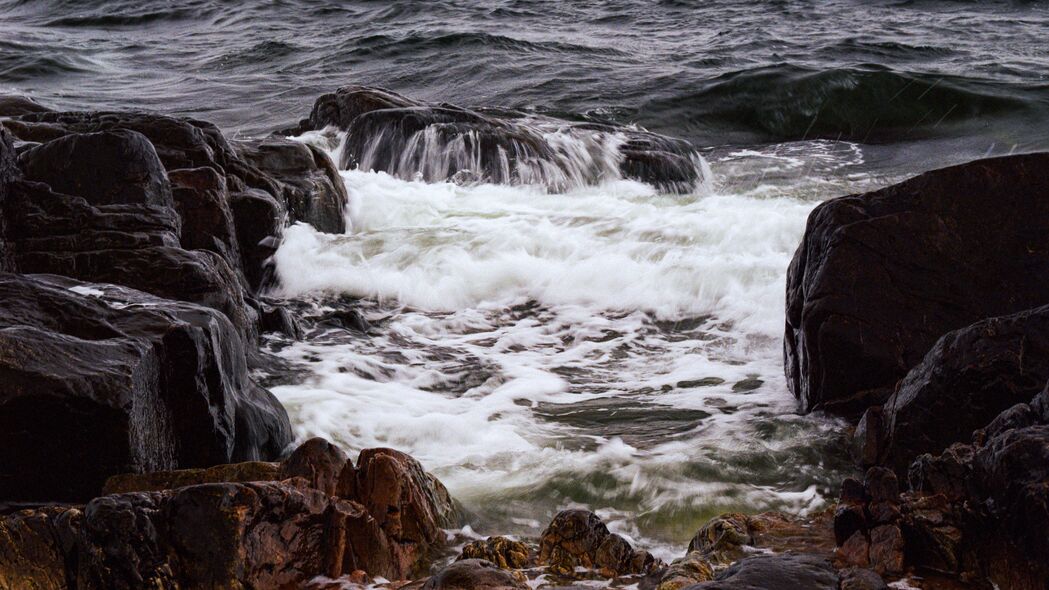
722 537
1012 471
8 173
949 473
13 106
855 551
474 574
848 519
933 539
578 538
776 572
411 506
867 439
861 579
880 277
156 481
259 218
31 549
853 491
117 167
886 549
312 190
968 378
128 382
501 551
691 569
881 485
318 462
203 205
405 137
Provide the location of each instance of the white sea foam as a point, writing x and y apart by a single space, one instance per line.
609 347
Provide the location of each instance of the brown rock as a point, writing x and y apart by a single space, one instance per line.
848 519
474 574
180 478
501 551
722 537
693 568
881 485
855 551
578 538
319 462
861 579
886 549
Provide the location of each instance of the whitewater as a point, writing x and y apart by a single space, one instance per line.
605 346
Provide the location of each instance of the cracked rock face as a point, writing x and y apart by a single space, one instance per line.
578 538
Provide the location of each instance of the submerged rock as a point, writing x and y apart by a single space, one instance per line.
474 574
776 572
407 138
880 277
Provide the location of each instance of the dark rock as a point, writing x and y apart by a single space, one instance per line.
867 439
880 277
1012 470
474 574
933 539
968 378
107 168
311 188
848 519
8 173
128 382
276 318
13 106
340 108
203 205
883 512
259 218
319 462
881 484
503 552
861 579
853 491
949 473
578 538
776 572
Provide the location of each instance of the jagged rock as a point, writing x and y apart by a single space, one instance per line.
968 378
474 574
128 383
259 218
501 551
880 277
319 462
203 205
933 539
886 549
949 473
776 572
156 481
855 551
578 538
849 519
722 537
8 173
312 190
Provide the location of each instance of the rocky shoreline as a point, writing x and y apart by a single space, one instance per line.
137 449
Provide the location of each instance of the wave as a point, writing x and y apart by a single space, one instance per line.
786 102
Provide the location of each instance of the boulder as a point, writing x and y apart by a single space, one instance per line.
8 173
13 106
475 574
128 383
319 462
311 189
693 568
776 572
203 205
968 378
880 277
156 481
578 538
503 552
861 579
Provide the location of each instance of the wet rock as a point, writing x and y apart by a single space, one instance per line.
853 491
474 574
886 549
776 572
259 218
867 439
722 537
848 519
13 106
203 205
881 485
503 552
949 473
578 538
968 378
861 579
933 539
411 506
319 462
156 481
311 188
128 383
855 551
340 108
880 277
694 568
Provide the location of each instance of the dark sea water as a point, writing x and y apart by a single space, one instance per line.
609 347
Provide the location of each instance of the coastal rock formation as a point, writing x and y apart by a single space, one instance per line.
503 552
393 133
880 277
274 532
776 572
578 538
474 574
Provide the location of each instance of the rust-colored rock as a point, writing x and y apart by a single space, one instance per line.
501 551
578 538
319 462
886 549
691 569
180 478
